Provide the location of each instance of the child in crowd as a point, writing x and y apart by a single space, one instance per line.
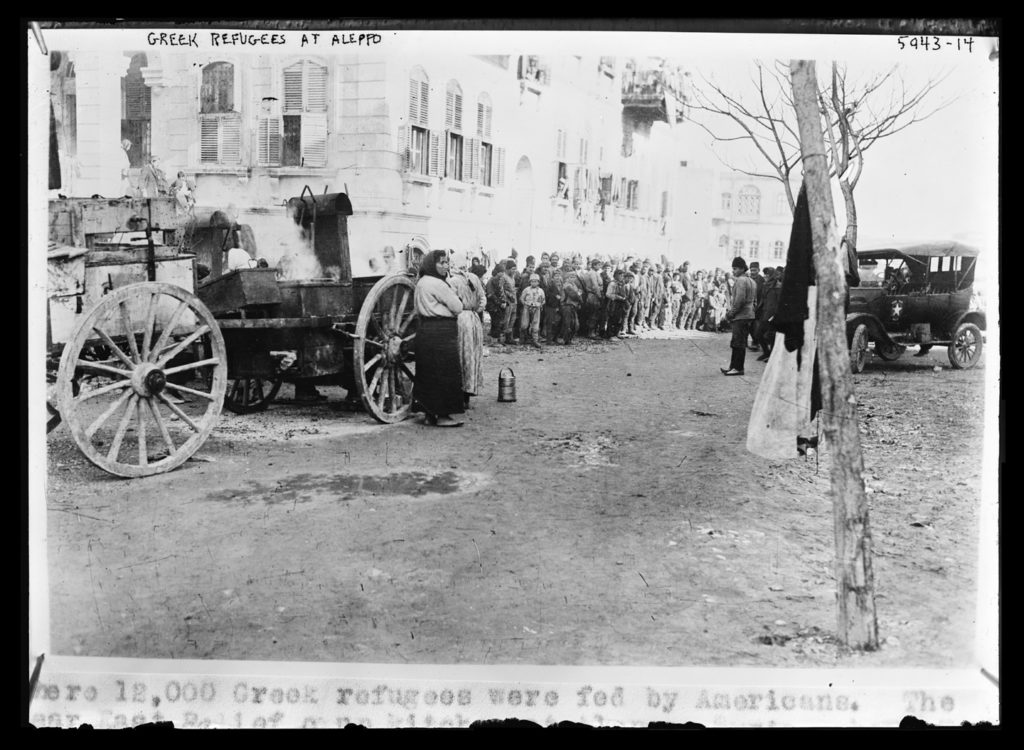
571 302
615 299
532 300
552 302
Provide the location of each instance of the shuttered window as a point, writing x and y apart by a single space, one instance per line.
484 115
454 157
304 115
419 97
220 125
269 141
453 107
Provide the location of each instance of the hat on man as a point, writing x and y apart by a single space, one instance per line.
534 276
738 262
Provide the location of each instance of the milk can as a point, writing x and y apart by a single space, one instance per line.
506 385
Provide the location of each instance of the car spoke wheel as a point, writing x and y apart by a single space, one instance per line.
964 350
146 400
859 348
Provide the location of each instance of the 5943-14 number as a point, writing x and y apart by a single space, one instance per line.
935 43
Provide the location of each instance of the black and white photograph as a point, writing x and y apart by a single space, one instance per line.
404 374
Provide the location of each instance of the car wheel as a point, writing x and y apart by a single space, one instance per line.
859 348
888 353
965 349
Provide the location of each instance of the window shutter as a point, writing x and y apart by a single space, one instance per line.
414 101
449 110
316 88
471 160
458 112
209 147
434 160
314 140
293 88
424 102
231 139
488 116
137 100
449 168
269 141
404 134
479 119
500 167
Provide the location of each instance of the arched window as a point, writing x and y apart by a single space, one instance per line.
420 147
419 97
136 111
304 114
453 123
484 112
220 124
453 106
749 202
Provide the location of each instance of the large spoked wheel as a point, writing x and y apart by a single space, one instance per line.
859 349
383 356
153 398
250 395
964 350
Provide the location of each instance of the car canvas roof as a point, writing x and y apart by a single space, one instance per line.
940 249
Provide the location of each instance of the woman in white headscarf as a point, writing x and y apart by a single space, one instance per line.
470 291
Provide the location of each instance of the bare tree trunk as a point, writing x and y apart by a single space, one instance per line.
851 212
857 623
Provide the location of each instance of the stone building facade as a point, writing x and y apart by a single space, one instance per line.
476 153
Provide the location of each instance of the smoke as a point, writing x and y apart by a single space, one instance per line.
298 261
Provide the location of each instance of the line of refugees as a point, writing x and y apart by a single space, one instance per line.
559 299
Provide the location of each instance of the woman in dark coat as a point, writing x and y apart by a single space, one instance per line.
438 388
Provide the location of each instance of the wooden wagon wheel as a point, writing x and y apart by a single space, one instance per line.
382 352
132 414
250 395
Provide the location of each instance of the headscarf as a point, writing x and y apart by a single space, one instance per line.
428 266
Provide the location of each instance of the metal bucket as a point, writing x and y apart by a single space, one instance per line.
507 385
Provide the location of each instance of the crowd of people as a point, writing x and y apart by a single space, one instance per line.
557 300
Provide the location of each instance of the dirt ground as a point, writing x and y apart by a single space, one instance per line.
612 515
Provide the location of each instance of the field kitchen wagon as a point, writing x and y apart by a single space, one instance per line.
142 355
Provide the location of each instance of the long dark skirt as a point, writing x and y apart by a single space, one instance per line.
438 388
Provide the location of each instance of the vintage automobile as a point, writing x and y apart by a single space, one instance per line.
920 294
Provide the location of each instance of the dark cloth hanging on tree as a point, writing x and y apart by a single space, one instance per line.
799 275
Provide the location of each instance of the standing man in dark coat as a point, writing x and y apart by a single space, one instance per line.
755 274
740 315
765 310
